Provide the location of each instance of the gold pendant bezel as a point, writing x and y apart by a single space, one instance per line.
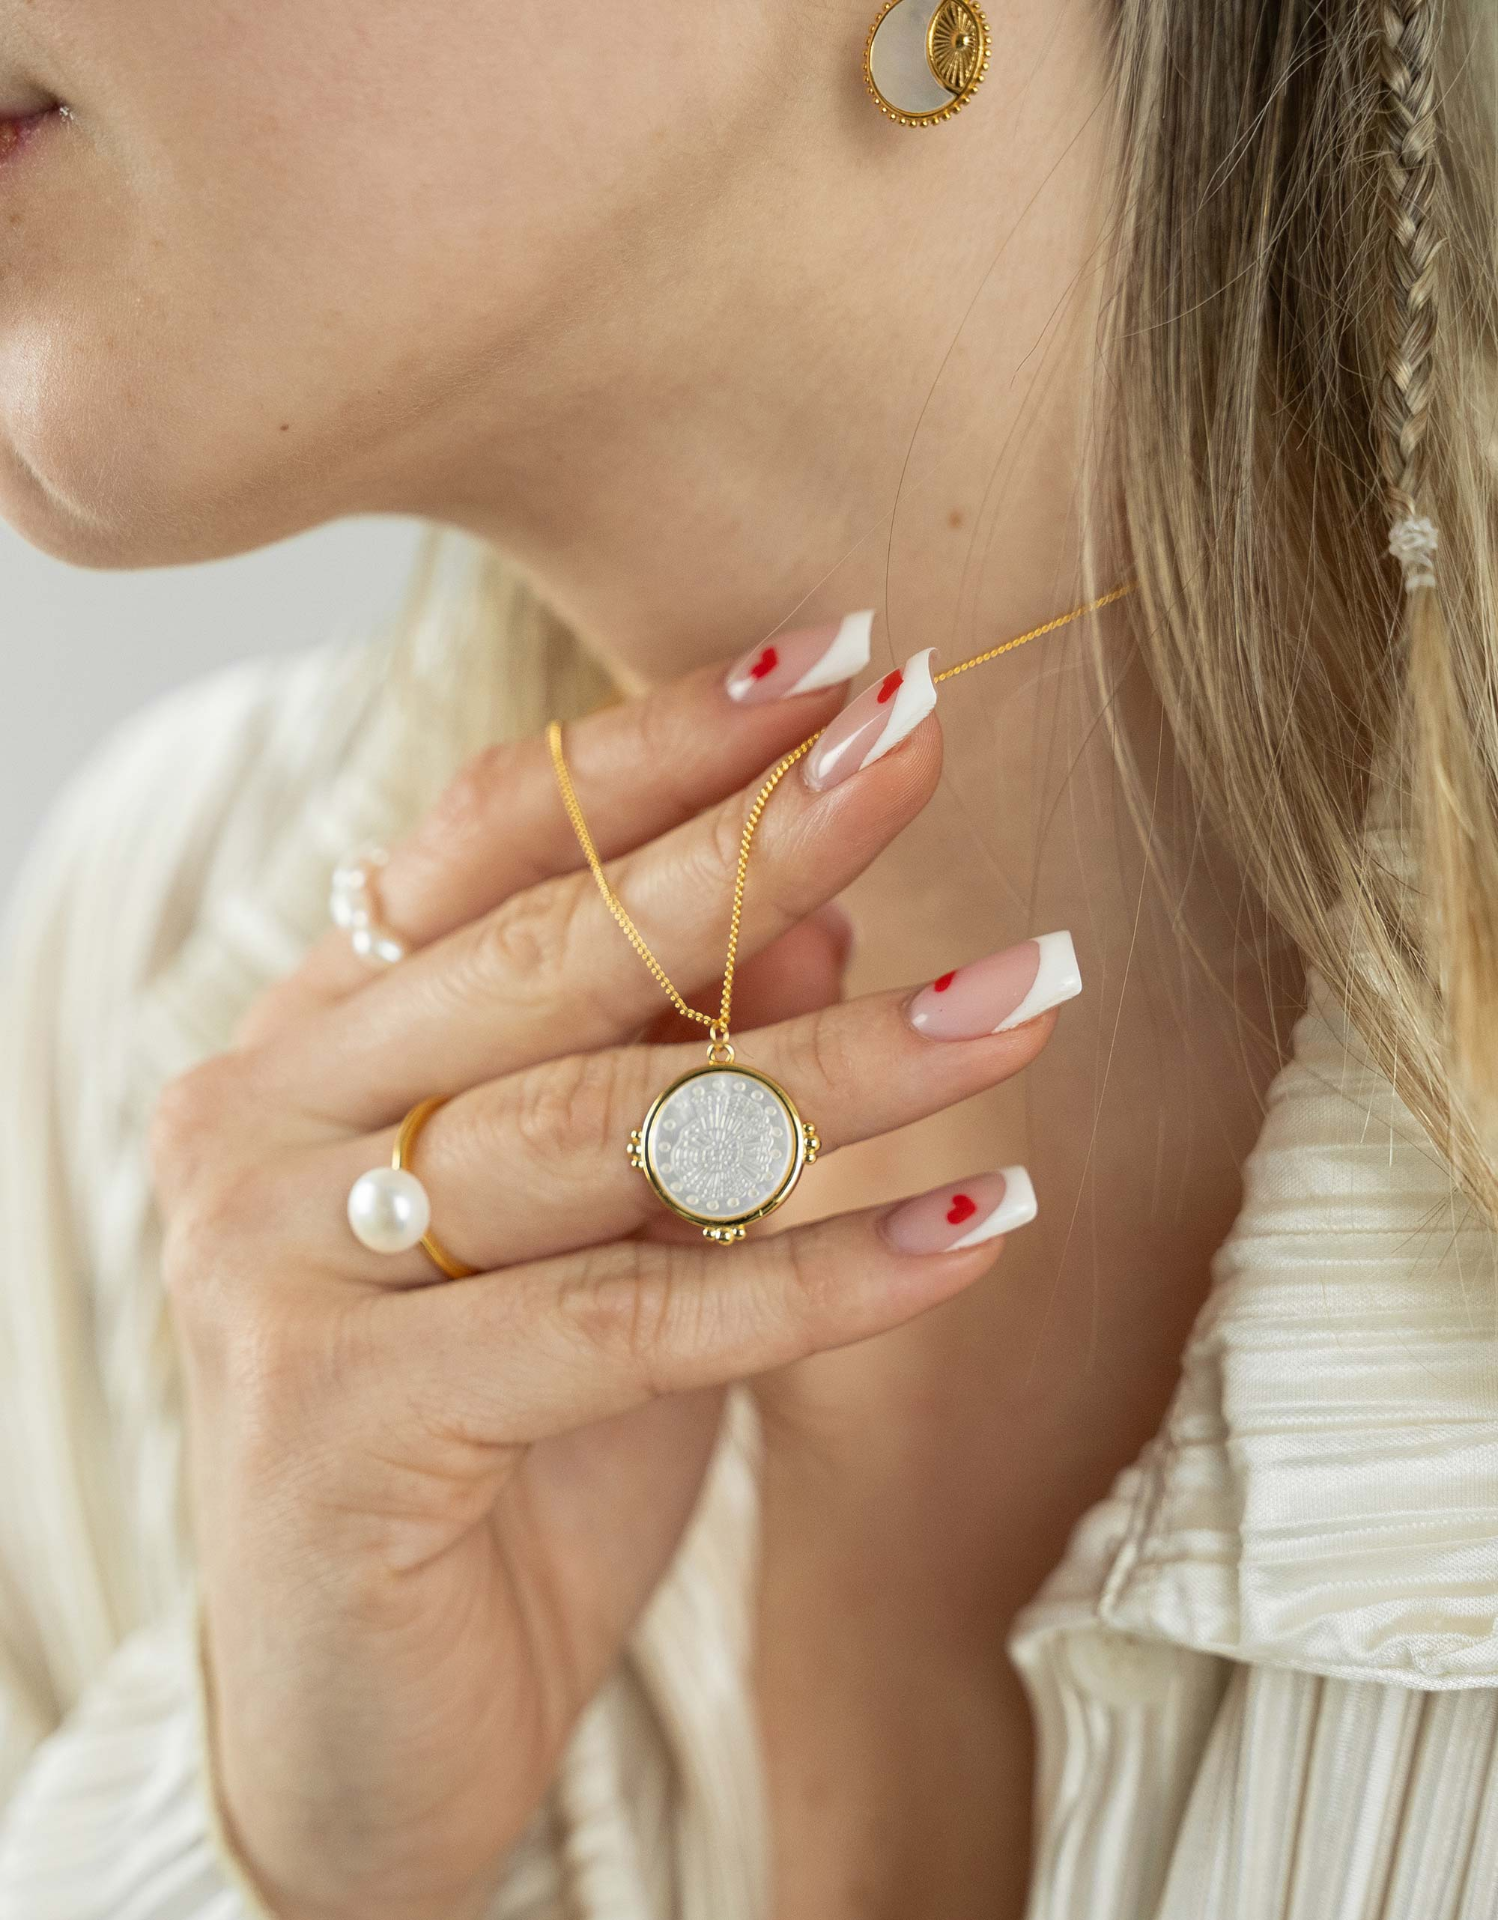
725 1228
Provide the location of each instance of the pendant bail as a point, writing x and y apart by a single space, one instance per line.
720 1047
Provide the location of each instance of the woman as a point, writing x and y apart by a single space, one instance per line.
845 1572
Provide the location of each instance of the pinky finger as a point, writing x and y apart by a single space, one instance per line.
512 1357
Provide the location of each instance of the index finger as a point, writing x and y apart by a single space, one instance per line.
640 768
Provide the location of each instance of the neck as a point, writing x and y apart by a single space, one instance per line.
822 386
822 383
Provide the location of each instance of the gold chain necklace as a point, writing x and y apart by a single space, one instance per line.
724 1145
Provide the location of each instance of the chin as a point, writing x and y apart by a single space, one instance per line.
111 500
89 537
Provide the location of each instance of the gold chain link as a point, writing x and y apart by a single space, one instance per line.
719 1023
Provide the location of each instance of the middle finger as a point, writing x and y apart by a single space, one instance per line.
548 973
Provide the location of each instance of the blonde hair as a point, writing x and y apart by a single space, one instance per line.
1302 338
1299 338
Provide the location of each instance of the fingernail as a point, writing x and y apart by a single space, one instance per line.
877 720
1001 991
803 661
950 1218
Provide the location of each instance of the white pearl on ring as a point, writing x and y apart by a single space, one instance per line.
389 1210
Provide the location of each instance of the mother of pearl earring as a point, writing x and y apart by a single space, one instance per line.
923 64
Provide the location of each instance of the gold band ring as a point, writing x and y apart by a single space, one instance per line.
400 1156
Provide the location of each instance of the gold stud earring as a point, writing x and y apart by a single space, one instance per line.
922 63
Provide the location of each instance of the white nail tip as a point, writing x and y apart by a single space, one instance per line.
847 655
1057 978
1017 1208
914 699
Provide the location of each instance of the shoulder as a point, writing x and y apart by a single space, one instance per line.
148 904
181 798
149 907
150 798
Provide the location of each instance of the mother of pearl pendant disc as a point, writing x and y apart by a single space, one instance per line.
722 1145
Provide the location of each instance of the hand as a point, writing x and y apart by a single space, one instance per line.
427 1511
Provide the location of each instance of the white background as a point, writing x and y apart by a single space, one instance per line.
83 648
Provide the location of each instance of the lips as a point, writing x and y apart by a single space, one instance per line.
14 133
23 112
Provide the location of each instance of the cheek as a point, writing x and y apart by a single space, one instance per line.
255 281
196 353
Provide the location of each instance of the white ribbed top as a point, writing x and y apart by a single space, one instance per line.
1265 1673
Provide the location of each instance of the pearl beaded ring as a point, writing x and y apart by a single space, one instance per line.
351 902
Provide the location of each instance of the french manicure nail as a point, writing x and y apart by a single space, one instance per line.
877 720
949 1219
1001 991
803 661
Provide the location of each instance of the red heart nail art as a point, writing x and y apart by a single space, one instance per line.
940 986
962 1208
890 685
767 662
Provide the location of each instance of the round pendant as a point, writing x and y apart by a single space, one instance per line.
722 1146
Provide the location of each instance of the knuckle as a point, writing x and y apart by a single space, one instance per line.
274 1361
466 806
811 1293
631 1304
789 858
710 854
830 1058
725 835
567 1107
275 1378
529 940
658 734
185 1121
263 1362
779 890
212 1232
513 942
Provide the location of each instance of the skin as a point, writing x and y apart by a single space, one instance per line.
663 306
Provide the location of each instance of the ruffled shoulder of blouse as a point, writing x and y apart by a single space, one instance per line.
1323 1491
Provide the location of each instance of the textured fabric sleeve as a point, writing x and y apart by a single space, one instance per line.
181 870
1327 1799
1175 1784
106 1810
115 1815
111 1816
92 1738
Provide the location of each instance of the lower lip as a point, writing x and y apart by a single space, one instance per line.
17 135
